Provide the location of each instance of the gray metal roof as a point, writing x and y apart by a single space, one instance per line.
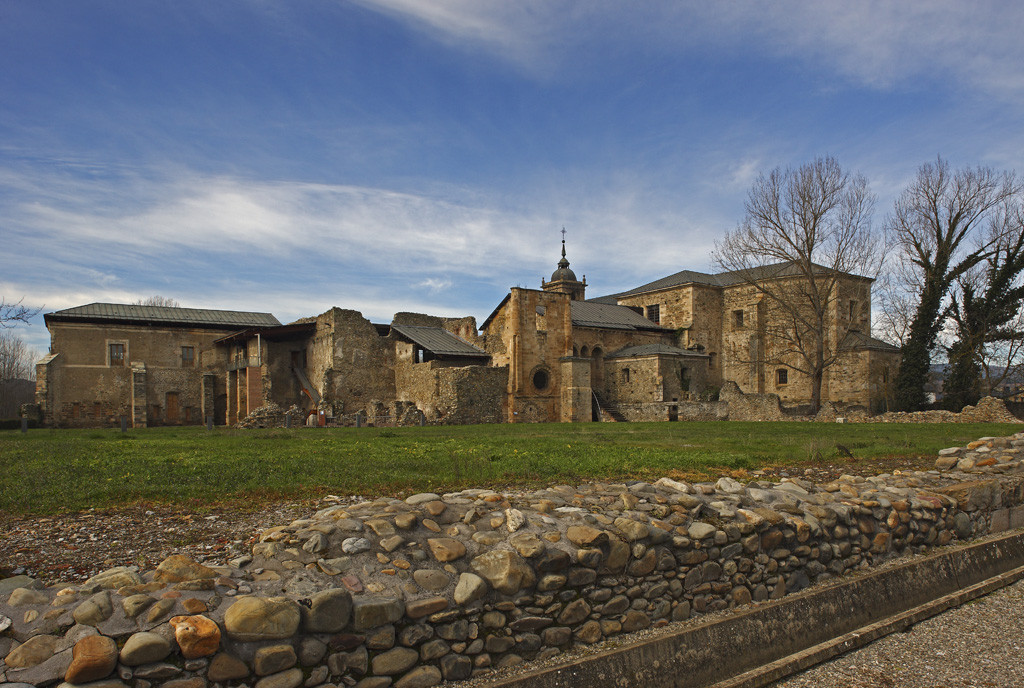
721 279
609 317
132 313
438 340
657 349
859 340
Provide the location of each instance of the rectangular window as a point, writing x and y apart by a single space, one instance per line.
737 318
117 354
853 309
76 410
188 356
781 376
711 361
625 374
97 410
654 313
885 374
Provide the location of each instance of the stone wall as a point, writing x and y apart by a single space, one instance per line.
81 387
453 395
751 407
349 362
411 592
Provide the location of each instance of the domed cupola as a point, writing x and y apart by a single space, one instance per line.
563 280
563 272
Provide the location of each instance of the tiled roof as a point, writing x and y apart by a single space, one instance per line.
438 340
657 349
609 317
132 313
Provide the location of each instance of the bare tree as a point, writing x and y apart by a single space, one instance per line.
930 228
158 300
806 229
17 369
15 311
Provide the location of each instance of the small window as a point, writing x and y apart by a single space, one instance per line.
782 376
188 356
654 313
97 410
737 318
625 374
885 374
541 380
853 309
117 354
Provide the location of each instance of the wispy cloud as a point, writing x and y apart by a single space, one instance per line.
876 43
192 237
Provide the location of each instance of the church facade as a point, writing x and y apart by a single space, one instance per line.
542 355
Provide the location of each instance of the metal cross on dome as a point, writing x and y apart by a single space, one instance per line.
563 234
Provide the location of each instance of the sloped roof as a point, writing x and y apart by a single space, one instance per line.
609 317
859 340
721 279
656 349
132 313
438 340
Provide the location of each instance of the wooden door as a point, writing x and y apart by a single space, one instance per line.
172 407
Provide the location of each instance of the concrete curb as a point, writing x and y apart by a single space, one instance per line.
765 643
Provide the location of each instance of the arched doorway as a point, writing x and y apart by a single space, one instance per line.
597 369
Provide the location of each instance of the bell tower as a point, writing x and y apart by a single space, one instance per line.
563 280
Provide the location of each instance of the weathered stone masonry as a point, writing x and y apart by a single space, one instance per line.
410 592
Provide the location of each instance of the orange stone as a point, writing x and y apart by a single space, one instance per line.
197 635
94 657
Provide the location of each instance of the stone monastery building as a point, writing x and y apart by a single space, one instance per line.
661 351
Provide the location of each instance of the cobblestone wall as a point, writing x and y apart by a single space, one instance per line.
411 592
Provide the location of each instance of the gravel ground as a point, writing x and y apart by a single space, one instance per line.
69 548
977 644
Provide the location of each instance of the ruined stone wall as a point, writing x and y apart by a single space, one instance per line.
349 363
751 407
453 395
447 587
280 385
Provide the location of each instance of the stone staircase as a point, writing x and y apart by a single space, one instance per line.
607 411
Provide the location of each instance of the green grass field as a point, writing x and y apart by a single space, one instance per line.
47 471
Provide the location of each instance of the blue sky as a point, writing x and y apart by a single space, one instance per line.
422 155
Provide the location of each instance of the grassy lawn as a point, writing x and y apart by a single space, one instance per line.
47 471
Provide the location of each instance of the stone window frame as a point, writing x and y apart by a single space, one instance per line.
188 361
781 377
653 313
124 353
625 375
545 377
737 319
